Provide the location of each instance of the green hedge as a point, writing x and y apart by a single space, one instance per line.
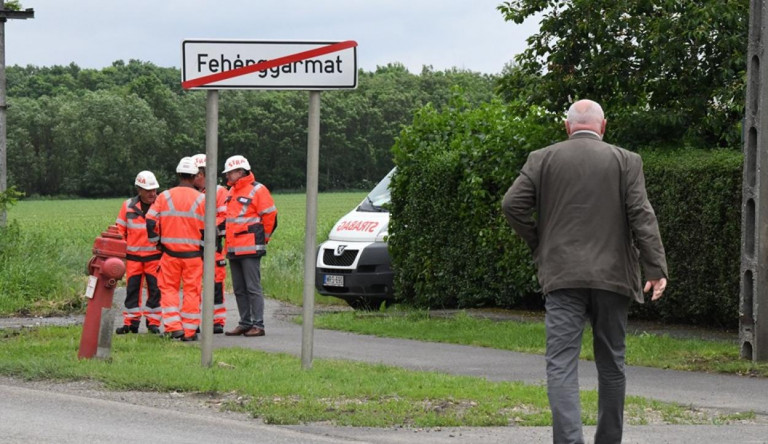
697 198
451 246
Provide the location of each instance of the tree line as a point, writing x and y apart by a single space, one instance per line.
87 132
668 74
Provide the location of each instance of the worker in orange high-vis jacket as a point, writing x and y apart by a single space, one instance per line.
141 259
251 220
220 273
176 222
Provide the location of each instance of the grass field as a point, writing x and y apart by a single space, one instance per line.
45 250
43 255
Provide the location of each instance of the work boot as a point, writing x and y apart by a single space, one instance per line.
178 334
127 329
154 329
188 338
218 329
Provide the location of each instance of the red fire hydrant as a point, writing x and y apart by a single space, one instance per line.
106 267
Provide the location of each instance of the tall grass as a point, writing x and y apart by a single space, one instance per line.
45 248
44 252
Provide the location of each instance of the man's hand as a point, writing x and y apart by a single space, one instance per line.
658 285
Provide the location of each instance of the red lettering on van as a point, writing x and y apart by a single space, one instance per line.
358 225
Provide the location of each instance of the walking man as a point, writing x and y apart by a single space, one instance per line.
251 220
593 227
141 259
175 223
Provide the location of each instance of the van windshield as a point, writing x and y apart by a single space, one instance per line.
378 199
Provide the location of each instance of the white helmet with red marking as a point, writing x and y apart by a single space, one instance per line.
236 162
199 160
146 180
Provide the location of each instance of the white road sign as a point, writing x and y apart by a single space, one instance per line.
250 64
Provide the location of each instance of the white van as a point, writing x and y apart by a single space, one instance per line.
353 264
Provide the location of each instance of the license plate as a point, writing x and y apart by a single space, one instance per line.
333 280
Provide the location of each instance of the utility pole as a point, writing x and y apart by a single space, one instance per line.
753 298
5 14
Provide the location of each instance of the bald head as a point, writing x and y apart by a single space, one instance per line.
585 115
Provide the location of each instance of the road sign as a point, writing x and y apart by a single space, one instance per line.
251 64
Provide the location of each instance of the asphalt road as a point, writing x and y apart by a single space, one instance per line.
41 416
46 415
33 415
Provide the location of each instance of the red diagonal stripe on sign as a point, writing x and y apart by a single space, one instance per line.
304 55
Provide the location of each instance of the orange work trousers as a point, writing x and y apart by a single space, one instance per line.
180 288
220 275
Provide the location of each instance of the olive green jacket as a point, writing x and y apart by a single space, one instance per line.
582 208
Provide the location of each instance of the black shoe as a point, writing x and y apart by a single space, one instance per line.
188 338
127 329
218 329
154 329
178 334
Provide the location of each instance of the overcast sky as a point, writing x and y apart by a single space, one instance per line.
467 34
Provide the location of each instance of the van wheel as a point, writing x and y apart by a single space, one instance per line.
362 303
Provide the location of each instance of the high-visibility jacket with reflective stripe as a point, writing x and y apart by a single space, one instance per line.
221 208
251 218
131 224
221 217
176 221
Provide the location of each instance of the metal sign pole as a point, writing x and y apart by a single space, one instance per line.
310 236
209 261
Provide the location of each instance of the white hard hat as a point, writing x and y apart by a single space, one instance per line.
187 166
146 180
236 162
199 160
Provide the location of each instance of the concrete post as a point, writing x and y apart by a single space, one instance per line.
3 108
4 16
753 302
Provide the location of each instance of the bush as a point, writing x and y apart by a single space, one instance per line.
451 246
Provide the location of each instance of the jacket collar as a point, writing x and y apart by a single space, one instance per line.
135 204
585 134
244 181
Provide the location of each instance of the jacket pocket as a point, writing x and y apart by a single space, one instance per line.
258 233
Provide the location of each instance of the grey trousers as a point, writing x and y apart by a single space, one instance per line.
567 313
246 283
